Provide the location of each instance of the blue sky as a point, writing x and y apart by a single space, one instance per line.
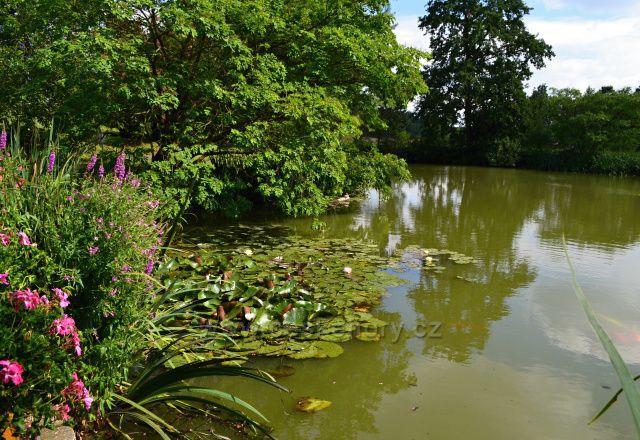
597 42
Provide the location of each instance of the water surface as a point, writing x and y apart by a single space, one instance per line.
511 354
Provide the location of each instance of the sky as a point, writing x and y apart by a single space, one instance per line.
596 42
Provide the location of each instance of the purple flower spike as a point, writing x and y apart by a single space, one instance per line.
101 171
3 139
92 162
52 161
119 170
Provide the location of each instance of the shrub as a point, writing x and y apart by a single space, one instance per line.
75 259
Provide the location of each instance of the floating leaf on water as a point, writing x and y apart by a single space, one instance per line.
311 404
368 336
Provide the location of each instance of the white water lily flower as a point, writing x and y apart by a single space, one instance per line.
429 259
347 270
248 252
249 316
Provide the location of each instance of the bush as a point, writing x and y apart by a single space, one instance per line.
75 260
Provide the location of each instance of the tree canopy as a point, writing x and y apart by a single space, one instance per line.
236 101
482 54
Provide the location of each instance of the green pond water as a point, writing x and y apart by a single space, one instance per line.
499 349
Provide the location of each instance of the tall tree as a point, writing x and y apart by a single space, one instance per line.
241 100
482 54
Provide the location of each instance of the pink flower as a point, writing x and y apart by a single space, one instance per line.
51 162
29 298
3 139
114 292
5 239
63 411
4 278
63 326
149 268
66 326
62 297
92 162
93 250
23 239
77 390
75 340
11 371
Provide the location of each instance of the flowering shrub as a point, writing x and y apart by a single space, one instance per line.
76 255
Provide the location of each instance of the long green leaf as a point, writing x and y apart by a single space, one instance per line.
192 371
621 368
610 402
193 398
210 392
140 407
147 421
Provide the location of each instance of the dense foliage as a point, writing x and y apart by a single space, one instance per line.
75 257
236 101
592 131
482 54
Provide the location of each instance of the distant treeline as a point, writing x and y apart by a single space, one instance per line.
561 130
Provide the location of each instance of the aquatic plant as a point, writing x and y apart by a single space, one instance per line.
627 381
283 296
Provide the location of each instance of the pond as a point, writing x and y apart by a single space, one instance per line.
496 349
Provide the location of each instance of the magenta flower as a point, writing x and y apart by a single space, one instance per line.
62 297
93 250
149 268
77 390
29 299
101 171
92 162
23 239
3 139
75 340
11 371
5 239
52 161
63 411
119 169
4 278
64 326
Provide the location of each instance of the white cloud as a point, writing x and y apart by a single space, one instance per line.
408 33
589 52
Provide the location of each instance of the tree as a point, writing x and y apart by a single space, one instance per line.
482 54
240 100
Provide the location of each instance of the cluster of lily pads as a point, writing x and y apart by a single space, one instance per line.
277 294
433 260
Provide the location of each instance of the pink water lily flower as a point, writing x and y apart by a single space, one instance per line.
11 371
